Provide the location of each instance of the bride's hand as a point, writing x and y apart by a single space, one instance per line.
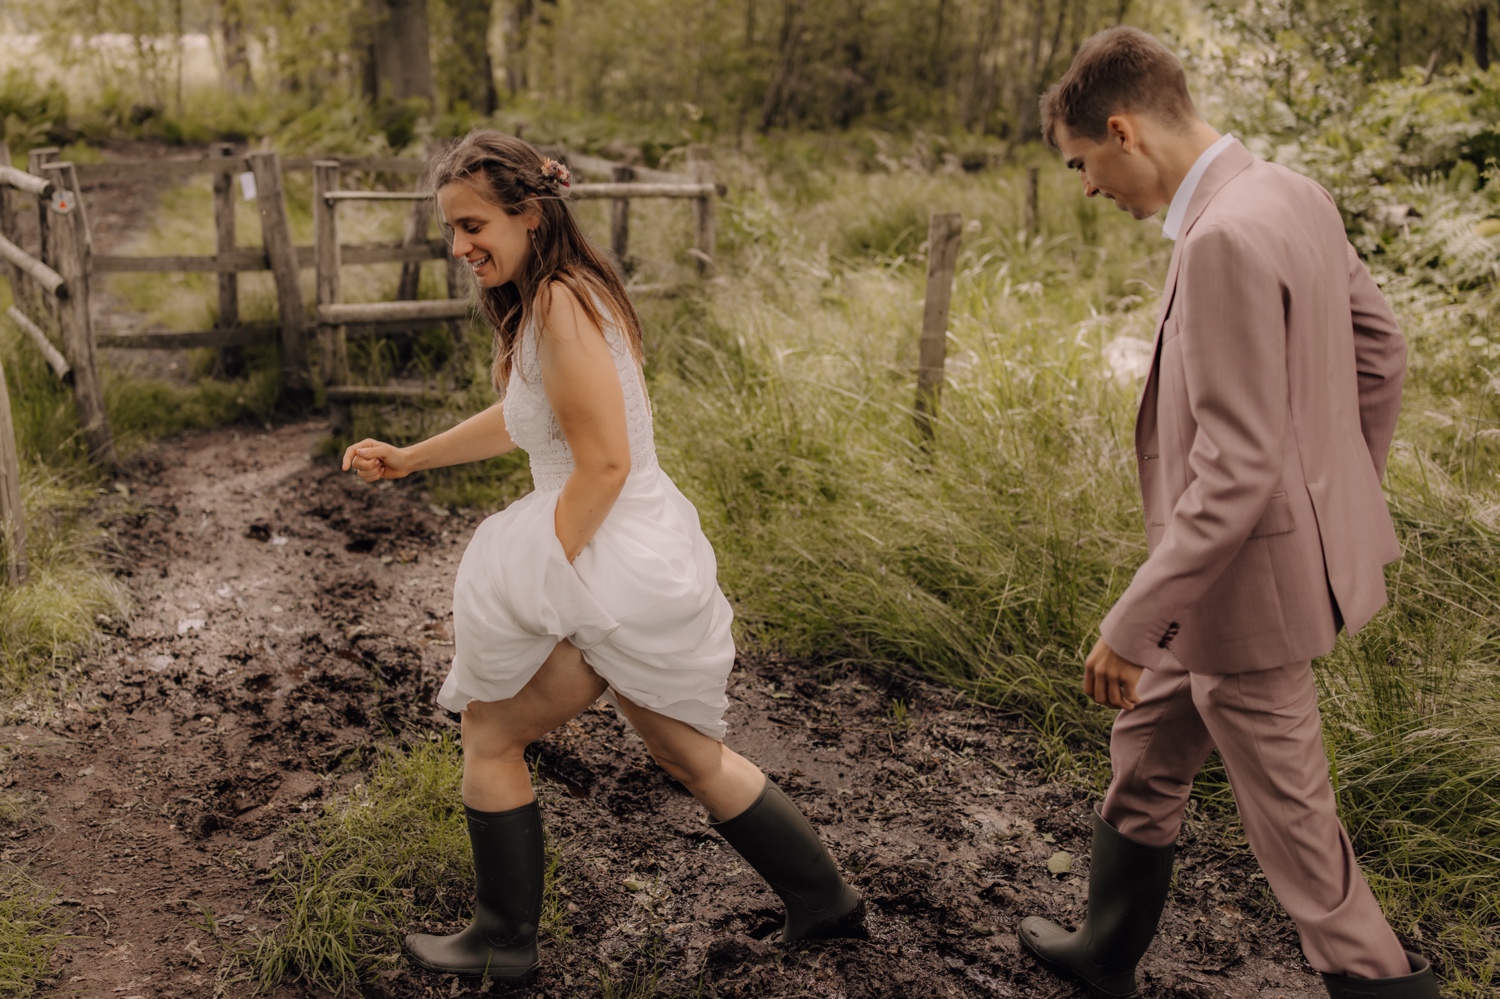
374 460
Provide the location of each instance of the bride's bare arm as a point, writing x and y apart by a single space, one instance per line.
583 387
481 436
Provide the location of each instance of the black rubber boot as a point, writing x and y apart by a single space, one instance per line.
1128 884
776 840
1420 984
508 867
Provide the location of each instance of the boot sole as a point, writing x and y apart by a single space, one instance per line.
514 977
1065 972
849 926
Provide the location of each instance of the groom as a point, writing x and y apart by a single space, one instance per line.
1261 441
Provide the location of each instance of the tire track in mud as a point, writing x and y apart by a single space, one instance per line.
288 618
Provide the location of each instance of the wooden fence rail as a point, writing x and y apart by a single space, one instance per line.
50 354
39 272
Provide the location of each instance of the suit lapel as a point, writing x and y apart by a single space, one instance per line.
1226 166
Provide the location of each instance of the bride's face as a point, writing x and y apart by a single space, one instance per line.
492 241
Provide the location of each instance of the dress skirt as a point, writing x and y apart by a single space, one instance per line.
641 601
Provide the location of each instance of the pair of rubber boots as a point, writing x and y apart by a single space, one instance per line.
771 835
1128 886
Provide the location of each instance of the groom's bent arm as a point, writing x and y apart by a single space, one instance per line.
1232 343
1379 360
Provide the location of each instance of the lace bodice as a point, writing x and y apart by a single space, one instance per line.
534 428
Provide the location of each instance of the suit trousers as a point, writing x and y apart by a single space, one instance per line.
1266 727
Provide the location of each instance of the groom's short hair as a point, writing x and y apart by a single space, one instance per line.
1119 69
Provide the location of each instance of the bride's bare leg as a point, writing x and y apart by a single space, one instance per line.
761 823
496 733
722 780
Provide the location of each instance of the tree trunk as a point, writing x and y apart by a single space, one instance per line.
980 100
515 32
1033 83
236 51
469 73
938 71
403 64
781 76
1482 36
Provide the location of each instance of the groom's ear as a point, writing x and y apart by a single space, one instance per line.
1122 132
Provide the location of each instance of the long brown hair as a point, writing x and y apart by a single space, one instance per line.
509 173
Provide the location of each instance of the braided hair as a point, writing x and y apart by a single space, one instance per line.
513 175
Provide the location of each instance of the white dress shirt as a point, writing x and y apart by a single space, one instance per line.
1172 227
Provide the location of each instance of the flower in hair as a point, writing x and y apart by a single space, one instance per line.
557 172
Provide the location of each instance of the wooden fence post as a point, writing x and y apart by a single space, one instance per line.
943 232
36 160
8 225
702 171
71 252
276 233
333 348
12 517
415 232
1033 207
619 216
231 359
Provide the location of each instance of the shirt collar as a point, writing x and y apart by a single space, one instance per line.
1177 210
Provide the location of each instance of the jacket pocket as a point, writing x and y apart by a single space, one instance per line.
1277 519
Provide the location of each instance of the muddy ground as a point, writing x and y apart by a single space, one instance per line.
288 617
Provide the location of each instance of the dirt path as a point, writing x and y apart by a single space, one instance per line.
289 616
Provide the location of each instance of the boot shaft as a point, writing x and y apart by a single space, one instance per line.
509 861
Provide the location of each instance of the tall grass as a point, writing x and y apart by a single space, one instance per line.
986 558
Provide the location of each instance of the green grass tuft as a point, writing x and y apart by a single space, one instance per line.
379 861
31 926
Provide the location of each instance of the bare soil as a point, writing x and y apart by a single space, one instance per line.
289 617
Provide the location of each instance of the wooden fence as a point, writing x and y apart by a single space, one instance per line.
51 280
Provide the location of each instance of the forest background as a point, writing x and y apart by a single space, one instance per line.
984 560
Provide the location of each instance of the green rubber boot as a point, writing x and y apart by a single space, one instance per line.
508 866
1420 984
779 842
1128 884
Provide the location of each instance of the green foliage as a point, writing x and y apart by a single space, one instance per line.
1299 42
30 110
950 64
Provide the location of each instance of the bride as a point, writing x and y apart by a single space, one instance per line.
600 582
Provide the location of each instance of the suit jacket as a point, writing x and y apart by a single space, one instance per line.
1262 434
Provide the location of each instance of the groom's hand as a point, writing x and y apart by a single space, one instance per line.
1109 679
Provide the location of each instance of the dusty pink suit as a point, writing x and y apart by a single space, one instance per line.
1261 440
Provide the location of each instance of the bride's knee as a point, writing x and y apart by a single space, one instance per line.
493 736
691 767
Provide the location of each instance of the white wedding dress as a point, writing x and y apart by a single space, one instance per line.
642 599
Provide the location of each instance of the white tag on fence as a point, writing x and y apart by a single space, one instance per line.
62 201
247 185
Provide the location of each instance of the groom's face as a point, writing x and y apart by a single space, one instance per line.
1113 167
